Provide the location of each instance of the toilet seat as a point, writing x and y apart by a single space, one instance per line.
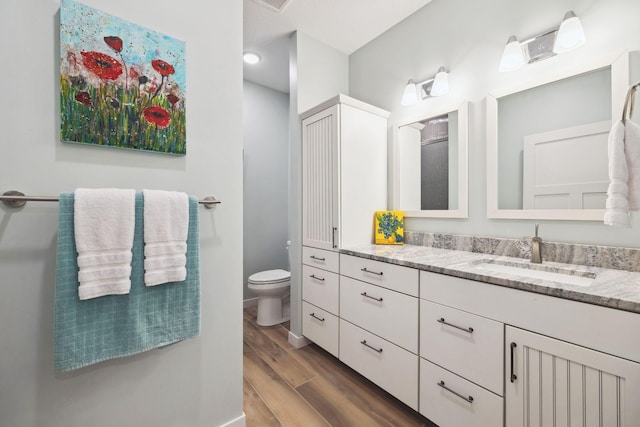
270 277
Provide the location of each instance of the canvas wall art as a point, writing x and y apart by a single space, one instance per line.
121 85
389 227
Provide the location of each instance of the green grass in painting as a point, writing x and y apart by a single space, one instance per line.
115 118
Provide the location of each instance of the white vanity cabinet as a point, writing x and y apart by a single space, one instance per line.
379 324
320 304
344 181
344 172
565 362
551 383
461 363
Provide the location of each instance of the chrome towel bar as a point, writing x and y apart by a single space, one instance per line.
16 199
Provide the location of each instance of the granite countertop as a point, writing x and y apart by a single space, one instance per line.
600 286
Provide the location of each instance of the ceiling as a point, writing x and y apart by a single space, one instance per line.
345 25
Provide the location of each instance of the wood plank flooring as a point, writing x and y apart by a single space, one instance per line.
285 386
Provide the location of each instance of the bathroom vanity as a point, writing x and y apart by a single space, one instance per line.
472 339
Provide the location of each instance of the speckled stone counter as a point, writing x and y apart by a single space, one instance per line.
606 287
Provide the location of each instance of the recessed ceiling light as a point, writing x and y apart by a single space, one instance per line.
251 58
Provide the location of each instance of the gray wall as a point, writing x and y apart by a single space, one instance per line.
266 185
468 38
197 382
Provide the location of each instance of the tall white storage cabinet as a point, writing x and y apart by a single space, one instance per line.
344 172
344 152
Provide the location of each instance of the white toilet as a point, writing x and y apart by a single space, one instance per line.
272 289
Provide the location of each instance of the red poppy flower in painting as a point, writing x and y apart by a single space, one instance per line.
164 68
83 98
104 66
172 99
114 42
157 116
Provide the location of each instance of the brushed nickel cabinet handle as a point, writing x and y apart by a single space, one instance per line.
364 294
468 399
379 273
513 376
364 343
316 317
469 329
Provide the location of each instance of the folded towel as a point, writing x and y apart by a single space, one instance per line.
87 332
632 153
166 222
104 224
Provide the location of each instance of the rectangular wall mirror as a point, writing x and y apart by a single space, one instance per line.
547 144
430 155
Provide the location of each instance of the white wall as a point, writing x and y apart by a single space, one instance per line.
317 72
468 37
266 185
197 382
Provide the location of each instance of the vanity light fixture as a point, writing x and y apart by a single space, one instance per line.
251 58
436 86
564 38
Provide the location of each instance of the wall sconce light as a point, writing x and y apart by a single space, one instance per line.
568 36
436 86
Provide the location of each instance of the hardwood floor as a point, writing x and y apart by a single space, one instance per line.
285 386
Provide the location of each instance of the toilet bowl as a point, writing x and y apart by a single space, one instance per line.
272 289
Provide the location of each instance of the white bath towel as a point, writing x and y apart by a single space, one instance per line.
617 205
166 224
632 153
104 222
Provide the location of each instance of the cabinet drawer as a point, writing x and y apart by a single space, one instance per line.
390 276
389 314
469 345
320 288
389 366
321 327
325 260
447 409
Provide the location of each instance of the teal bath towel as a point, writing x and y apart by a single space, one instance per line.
90 331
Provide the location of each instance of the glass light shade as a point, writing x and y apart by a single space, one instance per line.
251 58
570 34
512 57
410 95
440 84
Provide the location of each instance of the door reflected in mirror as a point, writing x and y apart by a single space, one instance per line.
547 142
430 162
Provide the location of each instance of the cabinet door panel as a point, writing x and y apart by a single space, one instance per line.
320 179
561 384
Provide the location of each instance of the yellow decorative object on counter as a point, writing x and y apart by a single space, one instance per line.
389 227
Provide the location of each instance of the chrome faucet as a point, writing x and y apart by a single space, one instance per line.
536 248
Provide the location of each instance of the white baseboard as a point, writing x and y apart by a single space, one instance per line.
251 302
241 421
298 341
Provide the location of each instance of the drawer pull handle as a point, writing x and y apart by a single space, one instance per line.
444 322
513 376
364 343
316 317
372 272
313 276
317 258
364 294
468 399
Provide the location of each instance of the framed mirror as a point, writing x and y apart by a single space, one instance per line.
547 143
430 160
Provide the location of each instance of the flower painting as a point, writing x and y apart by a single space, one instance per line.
121 85
389 227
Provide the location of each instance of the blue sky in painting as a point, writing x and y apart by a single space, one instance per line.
83 28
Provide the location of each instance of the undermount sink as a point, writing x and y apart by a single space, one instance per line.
539 271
